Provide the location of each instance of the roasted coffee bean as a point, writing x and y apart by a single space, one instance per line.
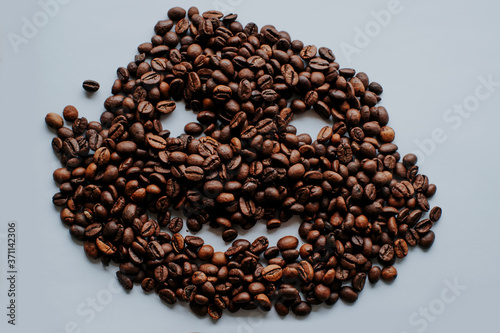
54 120
272 273
124 280
301 309
374 274
348 294
168 296
389 273
91 86
70 113
241 162
175 225
358 282
400 248
288 243
178 243
166 107
435 214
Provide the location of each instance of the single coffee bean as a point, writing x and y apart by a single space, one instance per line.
272 273
348 294
374 274
54 120
288 243
427 240
301 309
435 214
91 86
70 113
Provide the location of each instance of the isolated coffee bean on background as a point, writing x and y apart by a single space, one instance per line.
91 86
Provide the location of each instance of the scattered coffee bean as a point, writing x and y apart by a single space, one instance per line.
91 86
70 113
122 178
54 120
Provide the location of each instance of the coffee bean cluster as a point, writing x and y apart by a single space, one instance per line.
361 205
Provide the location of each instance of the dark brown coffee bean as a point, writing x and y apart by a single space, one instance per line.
70 113
178 243
423 226
175 225
348 295
400 248
194 173
427 240
374 274
386 253
308 52
91 86
124 280
54 120
272 273
176 13
301 309
389 273
359 201
288 243
166 107
435 214
167 296
358 282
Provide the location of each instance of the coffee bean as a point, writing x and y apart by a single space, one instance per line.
306 271
175 224
272 273
193 129
70 113
156 142
308 52
176 13
54 120
222 93
423 226
389 273
287 243
358 282
166 107
161 273
374 274
435 214
301 309
178 242
400 248
167 296
194 173
348 294
427 240
124 280
241 162
91 86
291 77
386 253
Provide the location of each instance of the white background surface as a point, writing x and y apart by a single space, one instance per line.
429 58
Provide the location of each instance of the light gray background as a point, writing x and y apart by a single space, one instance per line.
429 57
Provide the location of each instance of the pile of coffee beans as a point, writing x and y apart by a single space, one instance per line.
361 206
